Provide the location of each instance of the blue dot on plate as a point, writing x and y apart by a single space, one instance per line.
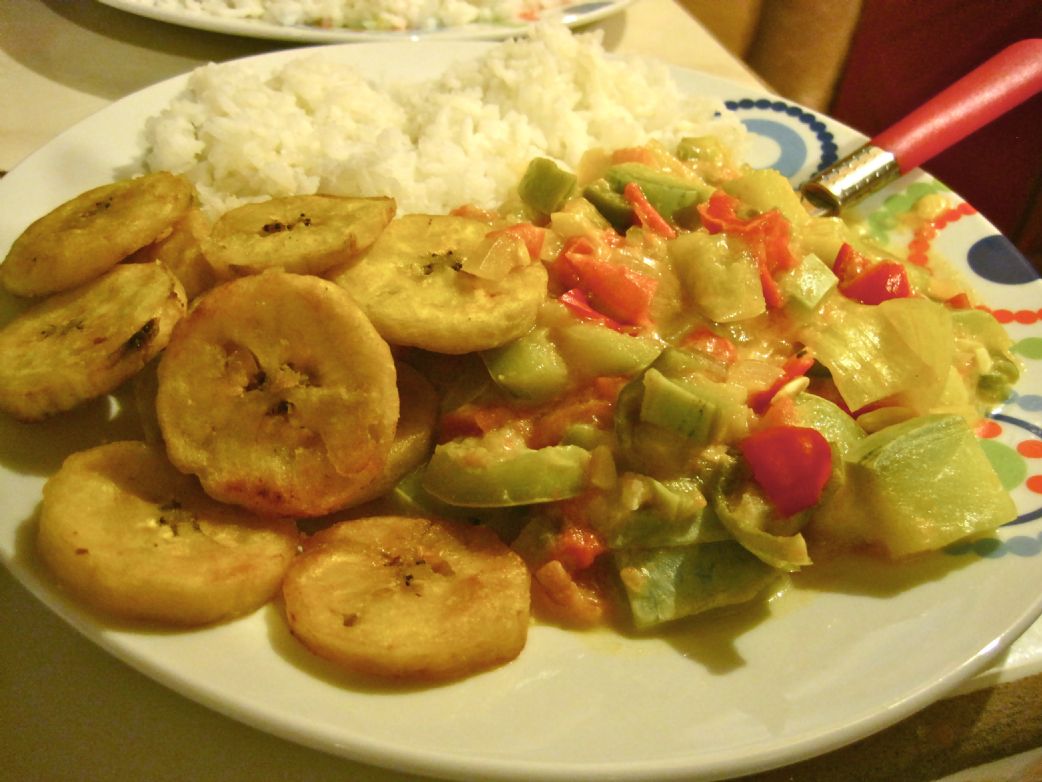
996 259
1024 546
1030 402
792 150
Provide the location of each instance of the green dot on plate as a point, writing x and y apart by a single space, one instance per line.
1010 465
1029 347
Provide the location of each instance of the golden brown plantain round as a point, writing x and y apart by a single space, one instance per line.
91 233
409 598
413 285
83 343
124 531
414 435
279 394
181 251
304 234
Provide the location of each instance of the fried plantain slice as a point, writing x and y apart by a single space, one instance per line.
124 531
414 435
181 251
279 394
89 234
83 343
409 598
414 285
303 234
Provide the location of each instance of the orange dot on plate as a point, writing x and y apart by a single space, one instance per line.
1002 316
988 429
1032 449
1034 483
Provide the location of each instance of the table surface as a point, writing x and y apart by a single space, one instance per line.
70 711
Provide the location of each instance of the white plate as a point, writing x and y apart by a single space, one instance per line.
842 654
573 14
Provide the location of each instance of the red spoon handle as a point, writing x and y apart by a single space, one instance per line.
990 90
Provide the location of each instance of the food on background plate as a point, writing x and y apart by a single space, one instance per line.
364 14
706 390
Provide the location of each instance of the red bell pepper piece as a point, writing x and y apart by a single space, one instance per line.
575 300
720 348
791 464
646 214
563 272
960 301
767 236
869 282
610 290
849 263
878 283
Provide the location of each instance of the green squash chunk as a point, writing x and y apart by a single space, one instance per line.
719 274
664 584
912 487
611 205
835 425
642 512
470 473
530 367
693 407
766 189
901 349
807 285
667 193
592 350
545 185
750 518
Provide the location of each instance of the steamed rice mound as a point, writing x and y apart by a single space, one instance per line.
241 133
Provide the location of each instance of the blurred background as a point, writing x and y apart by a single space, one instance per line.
869 62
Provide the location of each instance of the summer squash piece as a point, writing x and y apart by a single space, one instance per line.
643 512
719 274
592 350
664 584
914 486
765 189
807 285
749 519
545 185
837 426
902 348
466 473
530 367
692 407
667 194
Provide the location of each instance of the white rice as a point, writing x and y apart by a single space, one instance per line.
464 138
362 14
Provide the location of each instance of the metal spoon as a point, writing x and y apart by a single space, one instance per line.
985 93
